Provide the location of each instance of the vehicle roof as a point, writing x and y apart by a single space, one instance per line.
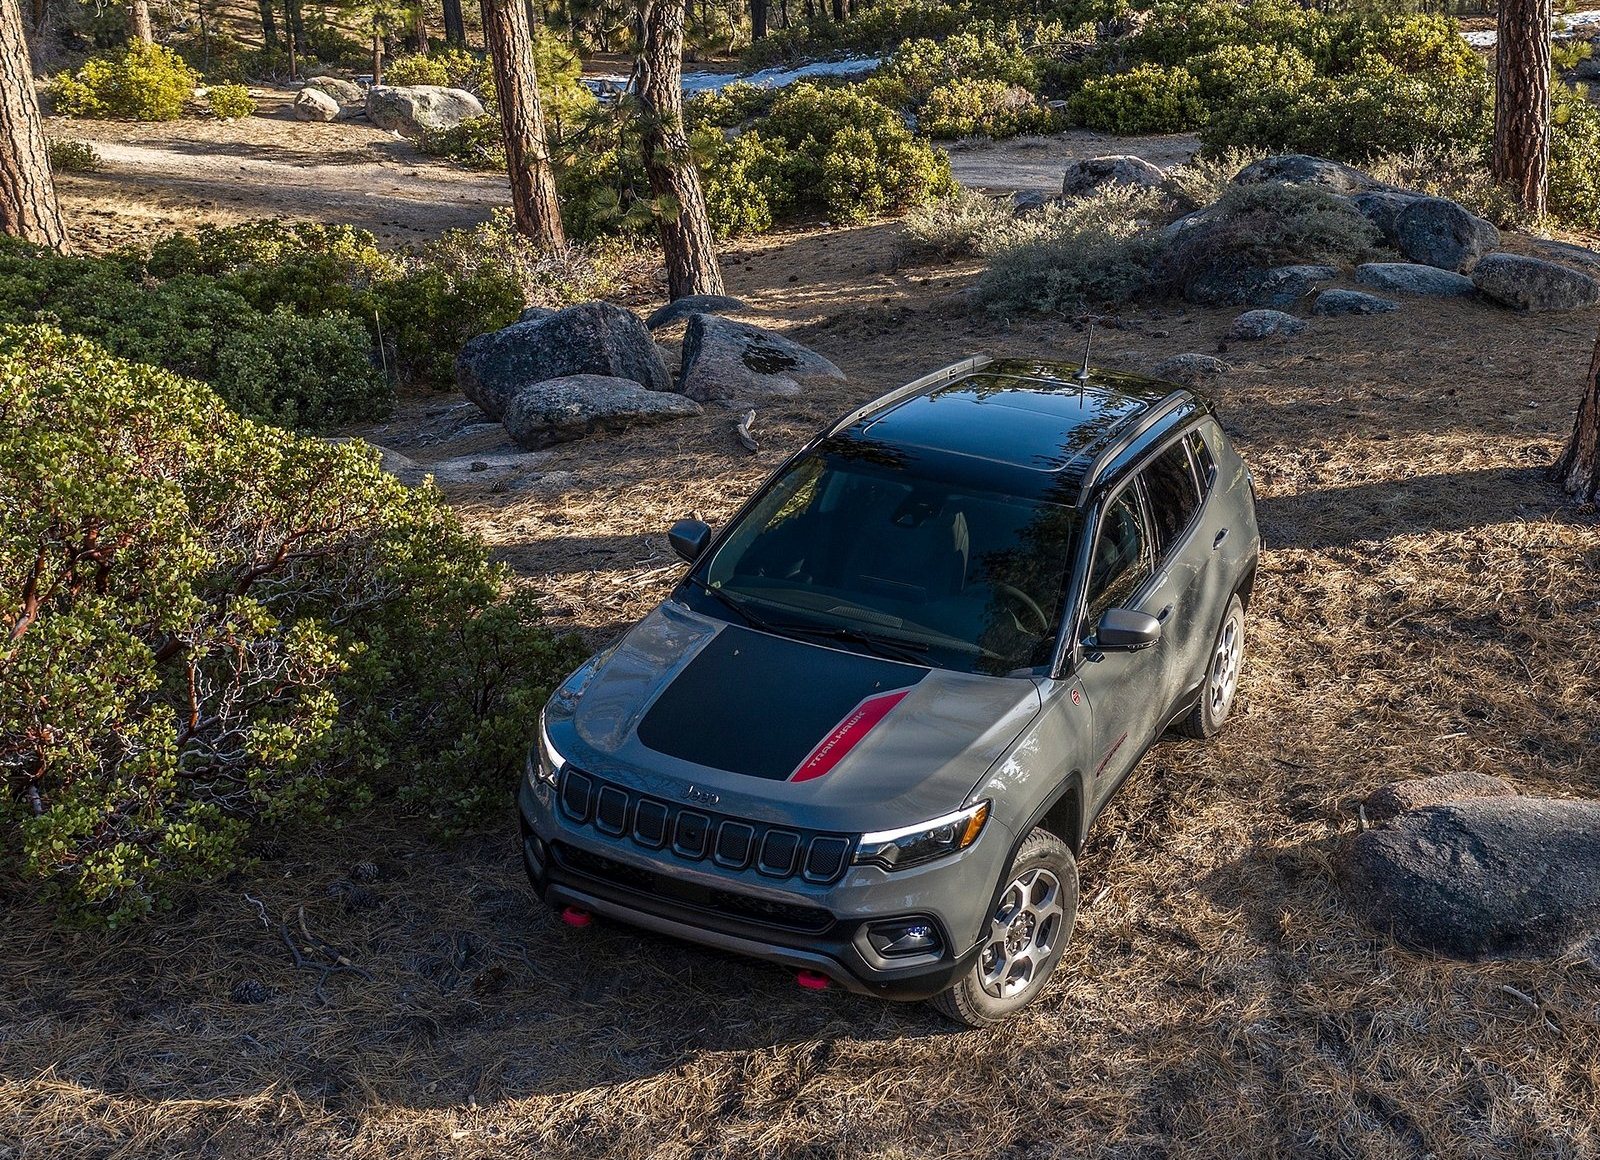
1014 425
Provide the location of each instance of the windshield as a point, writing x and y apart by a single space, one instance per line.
881 560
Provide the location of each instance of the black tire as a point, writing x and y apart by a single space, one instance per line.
1208 716
970 1001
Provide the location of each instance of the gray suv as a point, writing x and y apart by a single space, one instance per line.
868 732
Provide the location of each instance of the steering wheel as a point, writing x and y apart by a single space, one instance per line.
1031 606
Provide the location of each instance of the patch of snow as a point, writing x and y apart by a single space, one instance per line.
1567 27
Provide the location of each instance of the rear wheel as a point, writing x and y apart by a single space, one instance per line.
1210 713
1028 931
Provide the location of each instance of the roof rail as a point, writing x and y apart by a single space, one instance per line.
1122 442
954 371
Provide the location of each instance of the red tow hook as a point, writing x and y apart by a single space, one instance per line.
812 980
576 916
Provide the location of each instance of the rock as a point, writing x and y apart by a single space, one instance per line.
1252 286
595 338
1301 169
561 410
1334 302
1489 877
1187 222
1189 369
1026 201
1411 278
1437 232
537 314
413 109
1395 798
1534 284
1257 324
343 91
726 361
1097 173
314 105
1382 208
689 304
1566 252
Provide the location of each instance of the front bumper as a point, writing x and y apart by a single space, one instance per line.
803 925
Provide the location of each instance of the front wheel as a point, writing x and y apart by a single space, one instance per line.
1210 713
1030 928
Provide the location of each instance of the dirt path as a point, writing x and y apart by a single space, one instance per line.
160 178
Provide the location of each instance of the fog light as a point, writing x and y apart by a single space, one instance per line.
904 936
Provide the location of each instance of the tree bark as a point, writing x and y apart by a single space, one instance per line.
841 9
533 180
1578 470
377 57
1521 156
269 24
28 208
758 19
422 30
685 227
41 13
455 25
139 22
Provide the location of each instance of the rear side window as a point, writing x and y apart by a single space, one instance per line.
1170 485
1204 464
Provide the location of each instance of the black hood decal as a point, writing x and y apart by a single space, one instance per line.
757 704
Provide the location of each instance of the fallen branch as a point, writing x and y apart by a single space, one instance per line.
742 430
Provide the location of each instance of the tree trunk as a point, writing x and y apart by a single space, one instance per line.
686 237
455 25
28 207
269 24
377 57
533 180
1578 471
758 19
139 21
422 30
1521 156
841 9
41 13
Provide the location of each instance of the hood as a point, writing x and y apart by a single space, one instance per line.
786 731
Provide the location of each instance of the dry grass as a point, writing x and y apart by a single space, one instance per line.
1427 604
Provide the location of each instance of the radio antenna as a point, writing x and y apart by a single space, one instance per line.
1083 372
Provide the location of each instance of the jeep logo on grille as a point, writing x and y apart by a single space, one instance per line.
704 796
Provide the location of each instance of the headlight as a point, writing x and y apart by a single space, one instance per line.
547 762
897 849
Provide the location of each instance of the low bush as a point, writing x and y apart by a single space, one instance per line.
477 142
1149 98
1207 176
958 224
1263 225
69 156
142 82
990 108
1575 159
1087 252
870 31
1458 173
230 101
225 627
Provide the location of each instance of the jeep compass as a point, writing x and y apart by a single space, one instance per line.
867 733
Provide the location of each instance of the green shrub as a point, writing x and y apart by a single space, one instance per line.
1086 252
1263 225
230 101
418 69
991 108
959 223
297 371
1207 176
1575 159
477 142
228 627
870 31
1149 98
69 156
142 82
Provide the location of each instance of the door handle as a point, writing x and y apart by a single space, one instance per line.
1217 543
1164 613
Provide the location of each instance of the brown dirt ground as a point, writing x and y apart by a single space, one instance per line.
1427 604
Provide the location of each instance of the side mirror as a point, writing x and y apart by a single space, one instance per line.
689 538
1124 630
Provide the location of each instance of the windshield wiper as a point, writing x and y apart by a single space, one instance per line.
736 606
896 648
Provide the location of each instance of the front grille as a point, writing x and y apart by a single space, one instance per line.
695 835
726 903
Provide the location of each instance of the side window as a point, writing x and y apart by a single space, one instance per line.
1174 499
1204 464
1121 557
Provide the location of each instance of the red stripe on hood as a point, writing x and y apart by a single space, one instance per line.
846 735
